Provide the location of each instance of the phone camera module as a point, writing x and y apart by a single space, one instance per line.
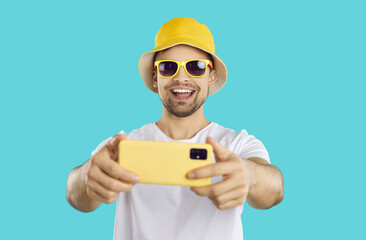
198 154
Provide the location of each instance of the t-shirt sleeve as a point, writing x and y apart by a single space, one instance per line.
102 144
252 147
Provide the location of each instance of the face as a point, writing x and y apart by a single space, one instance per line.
183 95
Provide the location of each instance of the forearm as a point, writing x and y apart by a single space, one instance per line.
76 192
266 188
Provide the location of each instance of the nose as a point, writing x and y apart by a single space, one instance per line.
181 76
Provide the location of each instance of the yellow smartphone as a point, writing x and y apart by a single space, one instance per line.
165 163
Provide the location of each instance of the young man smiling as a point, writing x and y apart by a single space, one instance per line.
184 70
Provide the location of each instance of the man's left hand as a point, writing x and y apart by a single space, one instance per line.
233 190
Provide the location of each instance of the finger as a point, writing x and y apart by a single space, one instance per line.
235 194
107 182
107 195
212 170
217 189
114 170
221 153
96 196
230 204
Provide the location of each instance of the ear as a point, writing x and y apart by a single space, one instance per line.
155 78
212 78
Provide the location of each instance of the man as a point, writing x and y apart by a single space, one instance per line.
184 70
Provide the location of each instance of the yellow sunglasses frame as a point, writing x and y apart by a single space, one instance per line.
183 63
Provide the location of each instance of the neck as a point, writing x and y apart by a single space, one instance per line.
182 128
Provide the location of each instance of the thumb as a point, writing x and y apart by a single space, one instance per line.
221 153
113 144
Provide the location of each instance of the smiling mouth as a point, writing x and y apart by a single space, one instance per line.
182 94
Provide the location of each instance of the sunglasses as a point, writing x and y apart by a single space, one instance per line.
194 67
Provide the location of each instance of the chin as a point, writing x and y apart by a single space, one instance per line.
188 111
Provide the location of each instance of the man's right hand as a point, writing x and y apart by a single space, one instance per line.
105 178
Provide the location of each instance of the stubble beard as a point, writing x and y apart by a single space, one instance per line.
182 109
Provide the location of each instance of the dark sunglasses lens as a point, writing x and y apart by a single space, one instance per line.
168 69
196 68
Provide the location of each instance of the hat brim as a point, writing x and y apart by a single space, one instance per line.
145 64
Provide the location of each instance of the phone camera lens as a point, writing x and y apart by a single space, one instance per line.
198 154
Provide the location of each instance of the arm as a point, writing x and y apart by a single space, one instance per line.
76 192
266 188
99 179
253 179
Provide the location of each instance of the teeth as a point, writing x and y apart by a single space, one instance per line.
182 90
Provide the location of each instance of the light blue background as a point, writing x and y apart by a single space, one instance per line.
69 79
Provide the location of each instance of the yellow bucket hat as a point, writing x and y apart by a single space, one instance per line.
183 31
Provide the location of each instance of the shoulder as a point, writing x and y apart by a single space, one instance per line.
240 143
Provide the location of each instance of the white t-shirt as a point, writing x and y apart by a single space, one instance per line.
159 212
